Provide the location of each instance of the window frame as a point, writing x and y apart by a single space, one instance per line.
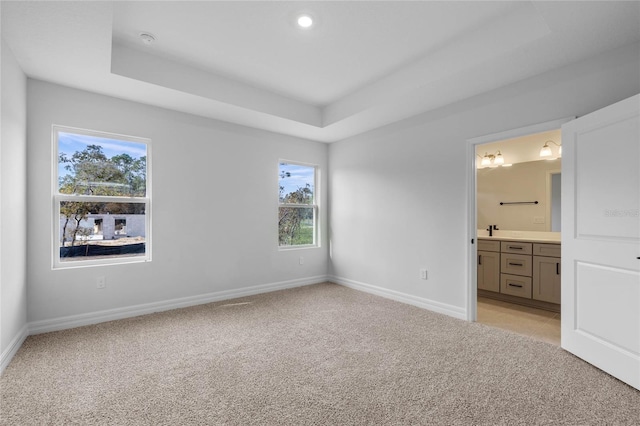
58 197
315 206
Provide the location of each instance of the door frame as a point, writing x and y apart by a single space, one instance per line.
472 225
549 184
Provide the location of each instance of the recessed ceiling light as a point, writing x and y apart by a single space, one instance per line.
147 38
305 21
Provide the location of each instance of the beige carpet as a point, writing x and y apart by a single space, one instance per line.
322 354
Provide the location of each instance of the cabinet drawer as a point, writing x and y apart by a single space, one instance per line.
515 247
487 245
515 285
550 250
516 264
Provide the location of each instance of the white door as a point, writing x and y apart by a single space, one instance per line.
601 239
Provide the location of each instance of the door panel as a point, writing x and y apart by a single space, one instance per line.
608 192
601 239
608 312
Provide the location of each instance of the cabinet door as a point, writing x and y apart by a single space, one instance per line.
546 279
489 271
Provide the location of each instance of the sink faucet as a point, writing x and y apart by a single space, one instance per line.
492 228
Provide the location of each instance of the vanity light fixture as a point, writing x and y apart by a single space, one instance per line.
499 159
492 160
545 151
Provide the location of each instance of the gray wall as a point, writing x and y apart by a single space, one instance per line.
214 207
398 195
13 206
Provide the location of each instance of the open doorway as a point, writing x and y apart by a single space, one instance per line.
514 218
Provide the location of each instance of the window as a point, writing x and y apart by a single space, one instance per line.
97 226
101 195
121 227
298 208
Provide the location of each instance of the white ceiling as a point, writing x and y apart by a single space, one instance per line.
362 65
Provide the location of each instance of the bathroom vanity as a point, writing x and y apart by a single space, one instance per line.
523 270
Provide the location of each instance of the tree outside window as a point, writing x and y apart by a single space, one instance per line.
297 211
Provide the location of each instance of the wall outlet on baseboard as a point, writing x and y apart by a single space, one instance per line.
101 282
423 274
301 260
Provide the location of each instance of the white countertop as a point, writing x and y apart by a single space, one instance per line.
533 236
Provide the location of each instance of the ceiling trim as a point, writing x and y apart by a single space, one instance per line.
148 68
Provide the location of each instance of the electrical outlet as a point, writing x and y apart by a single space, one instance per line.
538 219
101 282
423 274
301 260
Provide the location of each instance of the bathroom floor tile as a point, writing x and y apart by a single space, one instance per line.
535 323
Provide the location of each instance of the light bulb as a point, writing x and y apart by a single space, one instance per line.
305 21
545 151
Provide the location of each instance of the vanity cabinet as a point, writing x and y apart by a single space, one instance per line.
489 265
546 273
520 271
489 270
515 268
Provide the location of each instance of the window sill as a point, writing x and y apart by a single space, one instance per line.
102 262
306 247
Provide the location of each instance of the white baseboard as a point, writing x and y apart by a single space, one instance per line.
10 351
73 321
431 305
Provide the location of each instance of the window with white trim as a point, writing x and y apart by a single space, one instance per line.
297 205
101 198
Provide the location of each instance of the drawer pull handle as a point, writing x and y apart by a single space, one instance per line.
515 248
515 264
479 259
515 285
557 268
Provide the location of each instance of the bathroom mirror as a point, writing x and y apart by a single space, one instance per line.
518 187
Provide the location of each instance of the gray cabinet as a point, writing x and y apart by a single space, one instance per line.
489 270
515 269
546 275
520 271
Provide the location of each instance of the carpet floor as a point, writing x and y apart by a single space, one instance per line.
316 355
